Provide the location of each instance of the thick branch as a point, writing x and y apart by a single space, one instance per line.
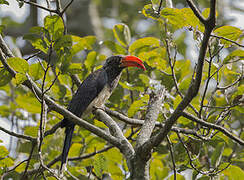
153 110
125 146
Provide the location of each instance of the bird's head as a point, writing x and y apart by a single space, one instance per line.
120 62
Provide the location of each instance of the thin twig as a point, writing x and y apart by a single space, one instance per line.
39 6
172 156
224 38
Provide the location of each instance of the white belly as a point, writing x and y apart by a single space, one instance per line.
98 101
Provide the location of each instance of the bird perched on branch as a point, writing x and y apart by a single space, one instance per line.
94 91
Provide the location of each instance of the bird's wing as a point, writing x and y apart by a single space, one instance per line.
87 92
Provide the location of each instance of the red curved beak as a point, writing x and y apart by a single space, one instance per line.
132 61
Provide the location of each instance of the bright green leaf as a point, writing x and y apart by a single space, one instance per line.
6 162
37 42
63 43
145 79
90 60
3 152
230 32
75 68
75 149
122 34
174 17
100 164
80 44
233 172
177 100
234 56
185 83
137 45
31 131
178 177
18 64
20 78
138 105
149 11
126 85
114 47
54 25
36 71
4 2
29 103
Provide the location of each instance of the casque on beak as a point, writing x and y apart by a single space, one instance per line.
132 61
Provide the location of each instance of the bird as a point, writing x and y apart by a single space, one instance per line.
94 91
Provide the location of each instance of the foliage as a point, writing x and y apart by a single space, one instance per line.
219 102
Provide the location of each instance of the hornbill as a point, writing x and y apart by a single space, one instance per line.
94 91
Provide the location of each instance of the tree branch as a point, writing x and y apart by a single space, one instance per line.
29 138
224 38
214 126
125 146
138 122
153 110
195 10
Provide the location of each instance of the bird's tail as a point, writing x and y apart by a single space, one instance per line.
67 143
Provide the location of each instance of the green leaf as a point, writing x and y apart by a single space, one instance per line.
129 86
122 34
36 71
18 64
20 78
217 154
37 42
178 177
29 103
234 56
233 172
191 20
6 162
230 32
177 101
4 2
5 77
63 43
75 149
114 47
21 168
90 60
145 79
3 152
206 13
185 83
149 11
31 131
174 17
75 68
100 164
138 105
55 26
80 44
158 170
137 45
